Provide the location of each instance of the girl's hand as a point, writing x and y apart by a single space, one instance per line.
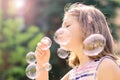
42 56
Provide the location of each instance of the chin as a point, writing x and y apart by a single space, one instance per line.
66 48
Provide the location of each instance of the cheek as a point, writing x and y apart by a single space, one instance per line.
75 37
76 34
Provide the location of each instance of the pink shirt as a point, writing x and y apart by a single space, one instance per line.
88 71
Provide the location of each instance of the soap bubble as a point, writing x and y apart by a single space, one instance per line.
62 36
62 53
46 43
30 57
94 44
31 71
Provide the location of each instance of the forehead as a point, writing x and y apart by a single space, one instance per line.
69 18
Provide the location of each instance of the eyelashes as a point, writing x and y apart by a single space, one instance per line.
67 26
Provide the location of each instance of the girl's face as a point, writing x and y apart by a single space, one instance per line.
71 23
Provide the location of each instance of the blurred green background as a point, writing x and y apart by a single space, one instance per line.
24 22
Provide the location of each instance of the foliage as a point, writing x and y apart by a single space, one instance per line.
14 45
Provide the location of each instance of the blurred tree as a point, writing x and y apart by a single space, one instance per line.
14 44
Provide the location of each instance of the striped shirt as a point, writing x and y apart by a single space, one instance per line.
88 71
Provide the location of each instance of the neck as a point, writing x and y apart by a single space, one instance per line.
81 56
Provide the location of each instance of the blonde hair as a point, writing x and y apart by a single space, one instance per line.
91 21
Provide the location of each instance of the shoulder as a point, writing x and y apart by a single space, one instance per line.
108 70
66 77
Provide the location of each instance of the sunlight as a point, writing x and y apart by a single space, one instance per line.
19 3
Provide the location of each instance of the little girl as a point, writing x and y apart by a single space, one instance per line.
82 21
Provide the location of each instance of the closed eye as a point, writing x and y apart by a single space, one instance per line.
67 26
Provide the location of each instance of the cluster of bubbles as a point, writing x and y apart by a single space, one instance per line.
62 36
31 59
92 46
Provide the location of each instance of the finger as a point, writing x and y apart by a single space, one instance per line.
39 44
40 50
38 54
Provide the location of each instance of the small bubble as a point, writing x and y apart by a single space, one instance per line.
62 36
30 57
